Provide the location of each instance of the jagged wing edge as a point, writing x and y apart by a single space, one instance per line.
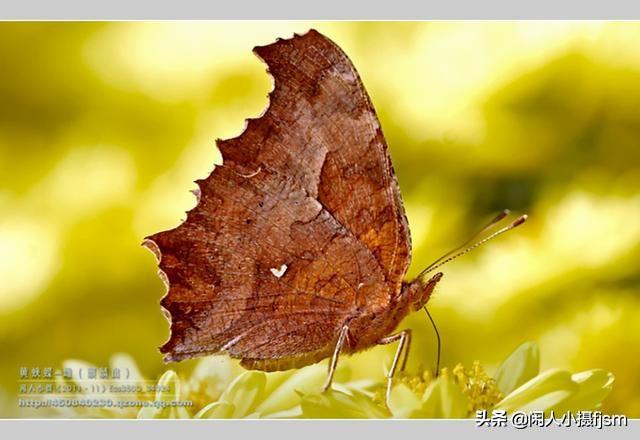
150 244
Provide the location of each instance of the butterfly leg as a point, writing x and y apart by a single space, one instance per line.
405 340
407 346
334 359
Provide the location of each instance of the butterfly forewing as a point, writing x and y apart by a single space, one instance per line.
300 229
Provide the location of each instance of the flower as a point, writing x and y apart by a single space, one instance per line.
99 389
219 388
251 394
453 394
462 392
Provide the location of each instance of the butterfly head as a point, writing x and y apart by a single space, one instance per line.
418 292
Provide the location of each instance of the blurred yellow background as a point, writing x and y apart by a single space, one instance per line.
104 127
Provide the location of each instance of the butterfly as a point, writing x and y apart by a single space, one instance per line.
299 244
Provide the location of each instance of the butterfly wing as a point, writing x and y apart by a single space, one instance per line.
322 130
301 228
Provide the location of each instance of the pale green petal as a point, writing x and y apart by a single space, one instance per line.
403 402
321 406
253 415
213 374
76 367
100 388
216 410
283 396
367 405
148 412
151 412
291 413
547 401
594 386
179 413
171 382
367 386
168 387
443 399
129 375
101 385
519 367
245 392
336 404
541 393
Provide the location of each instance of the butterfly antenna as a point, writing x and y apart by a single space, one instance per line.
457 252
435 327
497 219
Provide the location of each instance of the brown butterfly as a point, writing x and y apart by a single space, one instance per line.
299 244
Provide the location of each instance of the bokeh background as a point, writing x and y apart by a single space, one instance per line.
104 127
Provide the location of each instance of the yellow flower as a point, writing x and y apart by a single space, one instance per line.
461 392
219 388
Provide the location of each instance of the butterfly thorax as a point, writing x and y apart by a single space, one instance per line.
366 329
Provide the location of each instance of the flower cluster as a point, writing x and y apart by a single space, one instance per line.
219 388
517 385
476 388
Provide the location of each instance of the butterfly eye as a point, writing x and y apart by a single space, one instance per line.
419 291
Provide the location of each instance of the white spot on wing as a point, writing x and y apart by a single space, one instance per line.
231 343
279 272
250 175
